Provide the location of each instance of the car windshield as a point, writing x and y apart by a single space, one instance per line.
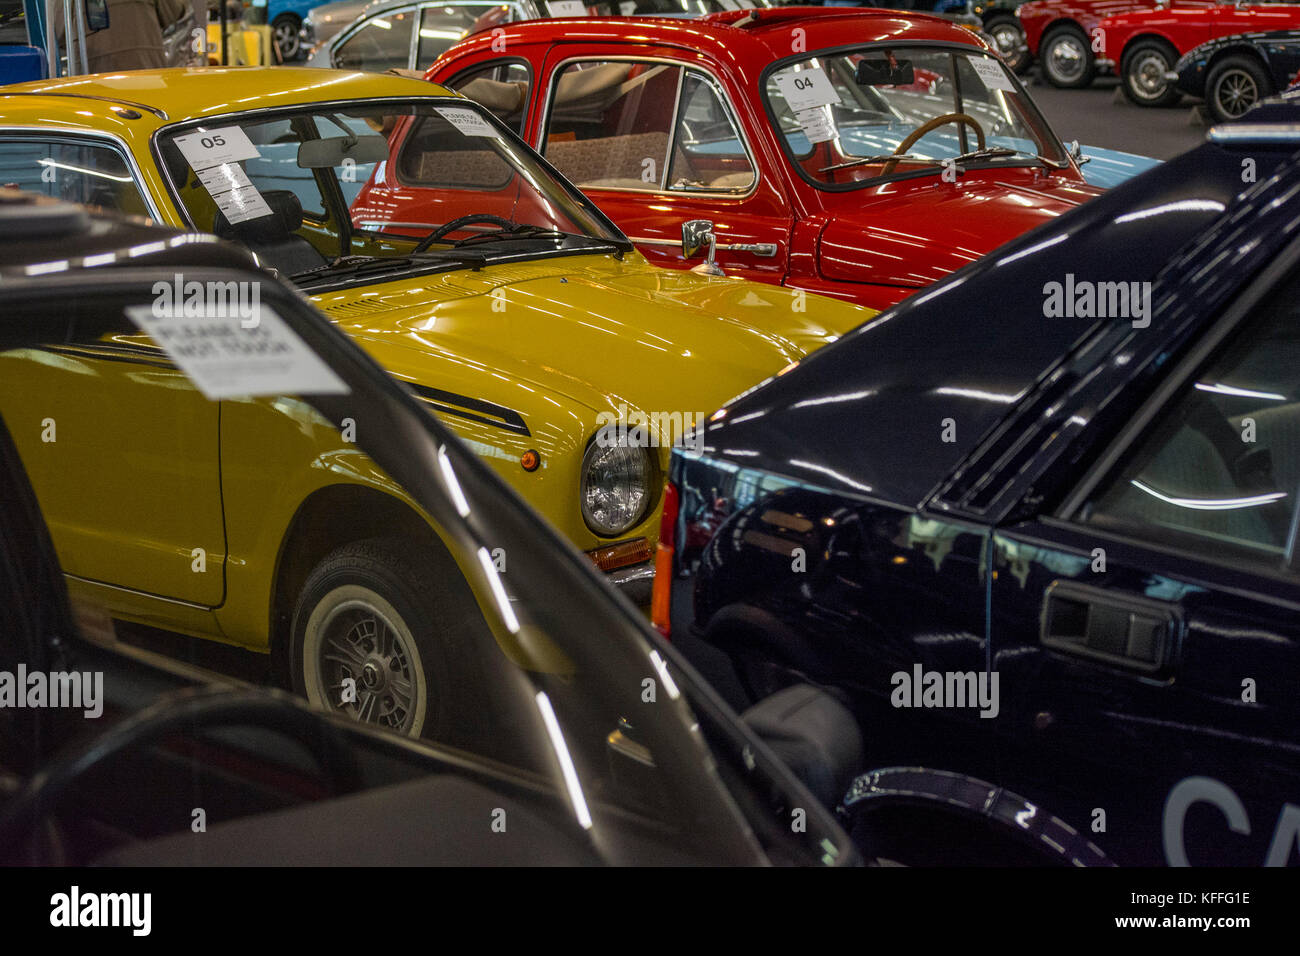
851 118
416 592
318 188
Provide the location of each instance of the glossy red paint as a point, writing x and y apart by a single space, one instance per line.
1184 24
1038 16
873 245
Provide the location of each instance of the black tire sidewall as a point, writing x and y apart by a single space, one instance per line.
296 24
1262 84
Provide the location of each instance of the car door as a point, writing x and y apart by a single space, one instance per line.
657 144
121 449
1148 632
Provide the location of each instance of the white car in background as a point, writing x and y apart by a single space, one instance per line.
409 35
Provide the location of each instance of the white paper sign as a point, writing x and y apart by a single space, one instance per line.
816 124
232 192
990 73
229 144
467 121
566 8
628 8
234 356
807 89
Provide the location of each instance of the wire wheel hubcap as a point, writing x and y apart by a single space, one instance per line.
1237 92
1066 59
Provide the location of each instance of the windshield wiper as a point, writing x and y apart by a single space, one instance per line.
991 152
867 160
524 231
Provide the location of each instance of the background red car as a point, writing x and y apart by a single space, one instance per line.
1147 43
1059 34
824 147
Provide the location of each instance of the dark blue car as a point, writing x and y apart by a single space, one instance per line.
1039 523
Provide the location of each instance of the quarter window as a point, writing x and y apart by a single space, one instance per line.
89 173
1221 468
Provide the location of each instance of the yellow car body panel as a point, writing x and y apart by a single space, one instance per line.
550 344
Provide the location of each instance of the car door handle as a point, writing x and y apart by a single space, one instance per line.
766 249
1133 632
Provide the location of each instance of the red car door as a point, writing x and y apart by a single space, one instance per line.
655 143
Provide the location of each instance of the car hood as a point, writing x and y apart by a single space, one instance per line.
597 331
939 227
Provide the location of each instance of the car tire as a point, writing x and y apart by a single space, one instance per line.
370 612
1067 59
1142 73
284 32
1009 35
1234 86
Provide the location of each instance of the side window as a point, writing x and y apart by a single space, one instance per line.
381 43
501 87
610 123
91 173
444 25
1219 472
708 152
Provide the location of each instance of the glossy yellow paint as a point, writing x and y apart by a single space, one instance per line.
577 336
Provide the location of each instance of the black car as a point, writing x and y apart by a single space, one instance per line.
1234 73
1039 523
591 739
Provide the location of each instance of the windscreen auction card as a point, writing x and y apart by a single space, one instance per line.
229 144
468 122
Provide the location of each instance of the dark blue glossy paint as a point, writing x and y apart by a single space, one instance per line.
829 530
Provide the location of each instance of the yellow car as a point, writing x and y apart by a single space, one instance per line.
452 253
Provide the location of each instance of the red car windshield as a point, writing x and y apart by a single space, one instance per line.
852 118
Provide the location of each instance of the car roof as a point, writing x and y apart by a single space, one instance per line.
42 236
719 33
181 93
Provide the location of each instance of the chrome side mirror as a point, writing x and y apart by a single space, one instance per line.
695 234
1076 153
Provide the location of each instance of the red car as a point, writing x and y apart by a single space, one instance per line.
1147 43
1059 34
857 153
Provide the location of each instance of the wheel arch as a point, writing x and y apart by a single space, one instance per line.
327 519
1154 36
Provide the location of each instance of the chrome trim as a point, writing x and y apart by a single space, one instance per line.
764 249
708 78
148 594
635 582
161 114
113 139
1254 133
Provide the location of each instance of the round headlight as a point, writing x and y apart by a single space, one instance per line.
616 490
